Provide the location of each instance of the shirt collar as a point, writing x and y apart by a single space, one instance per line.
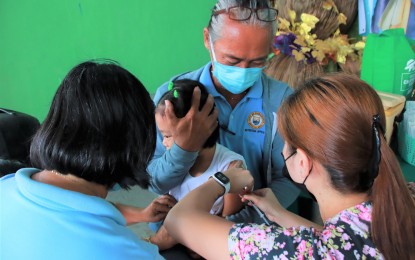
55 197
254 92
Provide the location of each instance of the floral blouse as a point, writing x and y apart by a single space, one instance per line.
345 236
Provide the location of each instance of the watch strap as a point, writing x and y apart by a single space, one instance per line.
226 185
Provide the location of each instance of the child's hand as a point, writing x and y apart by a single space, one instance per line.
156 211
158 208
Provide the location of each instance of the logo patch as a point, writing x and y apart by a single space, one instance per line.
256 120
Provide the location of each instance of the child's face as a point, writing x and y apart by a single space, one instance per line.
167 137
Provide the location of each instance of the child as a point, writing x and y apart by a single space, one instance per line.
211 159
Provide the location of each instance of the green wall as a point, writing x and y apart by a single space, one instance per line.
41 40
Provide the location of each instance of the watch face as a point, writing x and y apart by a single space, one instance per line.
222 177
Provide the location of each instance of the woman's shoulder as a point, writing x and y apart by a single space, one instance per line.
356 218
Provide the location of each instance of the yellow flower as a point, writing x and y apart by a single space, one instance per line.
318 55
305 49
359 45
342 19
329 4
341 58
309 20
300 40
310 39
305 28
298 55
308 48
292 15
283 24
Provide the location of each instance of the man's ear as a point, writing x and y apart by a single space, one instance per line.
206 38
305 162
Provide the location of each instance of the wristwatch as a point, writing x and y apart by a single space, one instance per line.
223 180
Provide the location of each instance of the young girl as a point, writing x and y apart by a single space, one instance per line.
211 159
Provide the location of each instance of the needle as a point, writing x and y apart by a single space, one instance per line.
260 213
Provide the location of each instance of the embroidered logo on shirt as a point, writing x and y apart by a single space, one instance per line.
256 120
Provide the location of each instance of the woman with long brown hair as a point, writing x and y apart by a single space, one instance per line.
333 128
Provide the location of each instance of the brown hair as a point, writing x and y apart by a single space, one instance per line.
337 112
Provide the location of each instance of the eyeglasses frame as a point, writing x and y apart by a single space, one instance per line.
253 10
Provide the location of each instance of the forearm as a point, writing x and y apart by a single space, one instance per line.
231 204
169 169
192 214
131 214
288 219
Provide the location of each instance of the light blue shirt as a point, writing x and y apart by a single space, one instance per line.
243 127
249 129
41 221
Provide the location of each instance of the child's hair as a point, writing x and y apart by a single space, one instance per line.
180 95
344 121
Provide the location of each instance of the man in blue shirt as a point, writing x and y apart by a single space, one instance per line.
239 38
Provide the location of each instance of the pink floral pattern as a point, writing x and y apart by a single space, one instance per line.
345 236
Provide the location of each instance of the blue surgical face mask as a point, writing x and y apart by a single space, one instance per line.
234 79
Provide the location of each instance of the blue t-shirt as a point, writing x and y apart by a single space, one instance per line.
41 221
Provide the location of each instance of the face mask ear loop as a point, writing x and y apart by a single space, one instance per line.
309 172
211 48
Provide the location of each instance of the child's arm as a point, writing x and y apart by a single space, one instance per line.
154 212
162 239
232 202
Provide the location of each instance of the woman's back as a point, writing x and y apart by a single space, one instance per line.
41 221
347 235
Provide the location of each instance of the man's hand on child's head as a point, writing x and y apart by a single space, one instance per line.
192 131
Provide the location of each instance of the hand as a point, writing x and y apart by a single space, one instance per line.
239 178
192 131
158 208
162 239
155 212
265 200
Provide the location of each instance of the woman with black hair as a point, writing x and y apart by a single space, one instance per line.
99 132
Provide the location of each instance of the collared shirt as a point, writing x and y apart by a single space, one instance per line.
42 221
252 133
243 127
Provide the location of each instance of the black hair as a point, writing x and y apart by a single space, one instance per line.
10 166
183 101
100 127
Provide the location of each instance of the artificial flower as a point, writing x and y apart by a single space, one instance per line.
296 38
342 19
